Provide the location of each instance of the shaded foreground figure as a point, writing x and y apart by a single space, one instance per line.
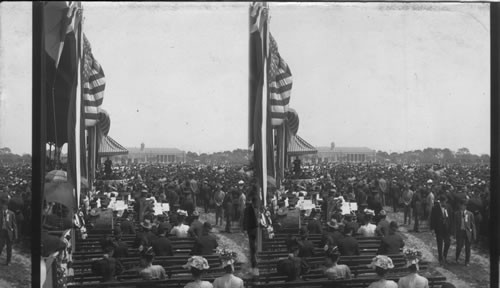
150 271
205 244
333 270
250 225
391 243
382 264
292 267
8 228
197 266
108 267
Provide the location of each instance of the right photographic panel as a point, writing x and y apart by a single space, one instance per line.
369 126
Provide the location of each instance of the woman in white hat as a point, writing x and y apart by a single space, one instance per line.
382 264
197 265
180 229
228 280
413 280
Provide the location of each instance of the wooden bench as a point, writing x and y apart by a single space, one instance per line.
170 283
434 282
160 260
171 271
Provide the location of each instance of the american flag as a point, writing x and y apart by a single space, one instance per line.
280 84
93 85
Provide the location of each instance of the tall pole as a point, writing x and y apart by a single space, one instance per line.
39 131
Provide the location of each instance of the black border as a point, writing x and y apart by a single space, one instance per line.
38 139
495 120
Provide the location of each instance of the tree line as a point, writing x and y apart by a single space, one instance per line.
434 155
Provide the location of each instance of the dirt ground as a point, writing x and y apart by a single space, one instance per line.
476 275
18 273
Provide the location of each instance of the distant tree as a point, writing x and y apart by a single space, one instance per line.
463 151
5 150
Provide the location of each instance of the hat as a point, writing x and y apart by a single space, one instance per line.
147 224
381 261
369 212
382 213
197 262
331 250
196 213
182 212
241 182
144 191
412 256
429 181
93 212
227 257
333 224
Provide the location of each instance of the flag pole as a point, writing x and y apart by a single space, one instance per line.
78 110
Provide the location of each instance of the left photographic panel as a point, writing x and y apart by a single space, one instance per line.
141 119
15 145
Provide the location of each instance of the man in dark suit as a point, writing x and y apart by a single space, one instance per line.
121 248
127 226
441 224
196 228
416 203
108 267
206 244
383 225
465 229
144 238
8 228
306 247
314 226
162 246
250 225
348 246
392 243
349 223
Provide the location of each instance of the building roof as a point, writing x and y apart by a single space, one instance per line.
158 151
109 147
299 146
324 149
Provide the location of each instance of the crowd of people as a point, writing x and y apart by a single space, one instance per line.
452 201
15 202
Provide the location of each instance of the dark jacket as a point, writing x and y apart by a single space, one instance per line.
441 223
127 227
144 238
196 229
382 228
314 227
205 245
10 222
348 246
250 219
121 249
306 248
391 244
107 268
162 246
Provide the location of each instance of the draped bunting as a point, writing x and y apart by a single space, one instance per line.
93 85
292 120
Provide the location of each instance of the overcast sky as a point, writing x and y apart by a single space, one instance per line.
390 77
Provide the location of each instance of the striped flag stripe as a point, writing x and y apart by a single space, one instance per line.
280 85
94 84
